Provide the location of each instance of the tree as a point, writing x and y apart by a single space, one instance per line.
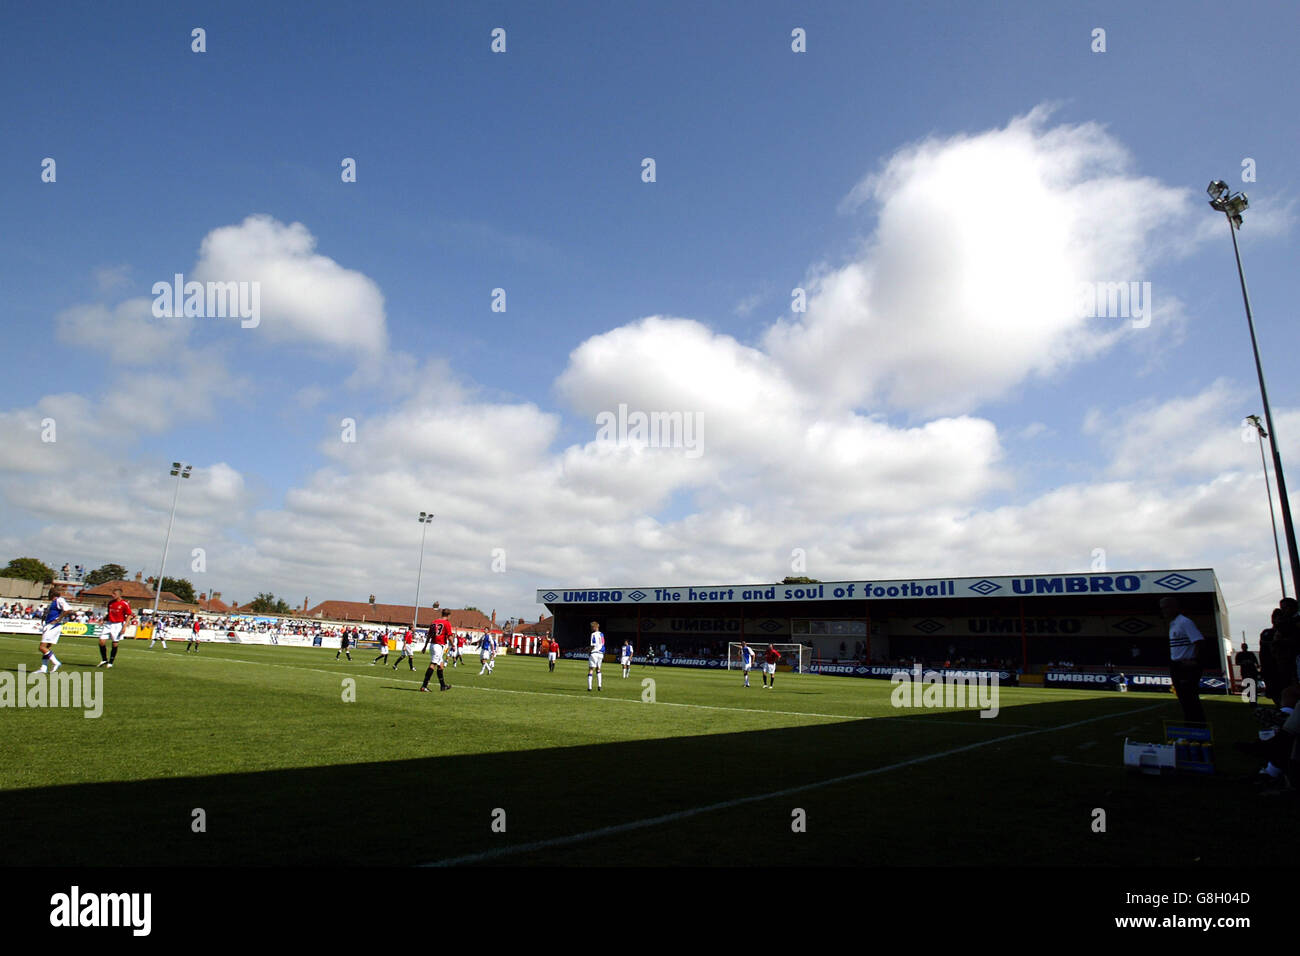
29 569
475 609
268 603
105 573
264 603
790 580
181 587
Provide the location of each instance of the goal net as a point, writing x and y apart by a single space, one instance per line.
794 657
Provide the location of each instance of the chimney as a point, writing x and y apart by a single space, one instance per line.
541 618
304 604
216 595
494 617
137 577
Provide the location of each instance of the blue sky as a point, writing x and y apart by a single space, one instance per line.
522 171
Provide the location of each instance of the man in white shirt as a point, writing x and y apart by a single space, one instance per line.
1185 646
596 656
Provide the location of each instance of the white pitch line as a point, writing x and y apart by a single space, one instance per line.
741 801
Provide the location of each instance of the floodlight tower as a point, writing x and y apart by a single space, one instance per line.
426 519
1232 205
178 471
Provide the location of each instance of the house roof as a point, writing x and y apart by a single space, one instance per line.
399 614
131 590
214 605
541 628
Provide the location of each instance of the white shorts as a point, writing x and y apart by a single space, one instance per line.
485 657
594 659
769 668
437 652
406 651
625 661
50 633
747 667
114 630
551 656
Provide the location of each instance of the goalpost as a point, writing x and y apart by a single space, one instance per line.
797 657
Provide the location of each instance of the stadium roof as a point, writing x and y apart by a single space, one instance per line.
1031 585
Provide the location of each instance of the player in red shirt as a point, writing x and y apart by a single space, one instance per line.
408 649
437 636
194 639
119 612
769 667
383 649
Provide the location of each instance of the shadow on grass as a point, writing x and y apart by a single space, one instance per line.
1005 802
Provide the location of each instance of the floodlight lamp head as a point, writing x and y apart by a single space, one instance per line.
1216 189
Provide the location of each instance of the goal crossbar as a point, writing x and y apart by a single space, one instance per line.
796 656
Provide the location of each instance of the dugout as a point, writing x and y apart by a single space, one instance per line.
1027 621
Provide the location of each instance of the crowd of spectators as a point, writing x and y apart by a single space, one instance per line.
21 611
1278 666
278 627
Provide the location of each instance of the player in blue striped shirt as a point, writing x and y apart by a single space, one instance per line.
746 660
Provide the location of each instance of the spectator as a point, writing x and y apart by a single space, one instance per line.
1286 643
1268 659
1248 664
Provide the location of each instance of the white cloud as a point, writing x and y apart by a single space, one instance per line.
127 334
964 290
305 296
1187 437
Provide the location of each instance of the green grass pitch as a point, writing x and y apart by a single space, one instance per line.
286 771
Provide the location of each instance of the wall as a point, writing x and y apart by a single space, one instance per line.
16 589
